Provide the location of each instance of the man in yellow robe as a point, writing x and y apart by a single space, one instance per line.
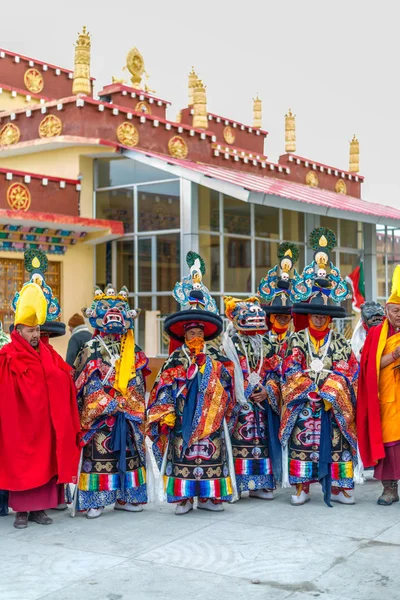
378 403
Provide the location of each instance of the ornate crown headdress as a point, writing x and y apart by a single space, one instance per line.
191 290
280 283
315 277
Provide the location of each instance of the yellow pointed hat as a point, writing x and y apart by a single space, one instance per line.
31 308
394 297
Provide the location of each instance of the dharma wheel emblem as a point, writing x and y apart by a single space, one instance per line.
9 134
50 126
33 81
312 179
229 135
177 147
143 107
18 197
127 134
341 187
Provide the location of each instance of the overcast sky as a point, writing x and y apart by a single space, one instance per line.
336 64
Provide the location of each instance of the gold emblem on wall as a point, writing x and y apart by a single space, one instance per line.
341 187
50 126
143 107
18 197
9 134
177 147
229 135
33 81
312 179
127 134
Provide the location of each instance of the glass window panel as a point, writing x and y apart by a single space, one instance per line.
167 304
348 262
144 264
266 258
393 246
125 265
123 171
208 209
209 250
236 216
380 262
293 226
116 205
237 263
348 233
159 206
266 221
103 264
331 223
168 261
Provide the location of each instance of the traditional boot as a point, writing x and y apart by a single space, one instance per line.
211 504
184 507
264 494
390 493
302 494
342 495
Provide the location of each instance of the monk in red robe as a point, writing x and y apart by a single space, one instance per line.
39 420
378 402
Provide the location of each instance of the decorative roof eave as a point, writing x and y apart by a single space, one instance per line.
238 154
133 93
19 92
28 176
270 191
55 143
102 229
80 102
312 164
235 124
35 62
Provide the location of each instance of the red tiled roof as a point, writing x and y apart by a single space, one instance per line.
285 189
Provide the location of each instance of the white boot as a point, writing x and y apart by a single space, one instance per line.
94 513
184 507
128 506
344 497
209 505
300 497
264 494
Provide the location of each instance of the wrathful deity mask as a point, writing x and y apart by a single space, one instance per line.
110 312
246 315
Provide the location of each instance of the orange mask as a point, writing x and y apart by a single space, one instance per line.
195 345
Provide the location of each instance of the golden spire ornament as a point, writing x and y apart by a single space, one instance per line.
257 113
81 83
192 84
200 120
290 132
354 163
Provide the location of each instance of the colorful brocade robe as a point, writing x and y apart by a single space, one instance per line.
255 445
279 343
306 394
196 462
110 421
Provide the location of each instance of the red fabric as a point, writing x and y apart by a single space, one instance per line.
354 279
368 414
318 333
300 321
44 497
39 421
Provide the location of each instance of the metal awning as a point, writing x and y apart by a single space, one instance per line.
271 191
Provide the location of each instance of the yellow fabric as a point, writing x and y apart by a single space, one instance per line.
168 420
125 367
395 292
31 309
389 388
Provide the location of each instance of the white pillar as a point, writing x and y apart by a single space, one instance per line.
151 333
370 264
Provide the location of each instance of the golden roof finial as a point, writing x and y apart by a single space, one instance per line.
290 132
257 113
200 120
135 66
81 83
192 84
354 164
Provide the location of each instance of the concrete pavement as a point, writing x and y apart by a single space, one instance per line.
254 550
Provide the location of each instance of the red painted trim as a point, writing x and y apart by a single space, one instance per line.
36 176
38 62
262 131
119 87
116 227
24 93
314 162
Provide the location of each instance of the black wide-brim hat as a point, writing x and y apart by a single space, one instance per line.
174 325
276 309
51 328
313 308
